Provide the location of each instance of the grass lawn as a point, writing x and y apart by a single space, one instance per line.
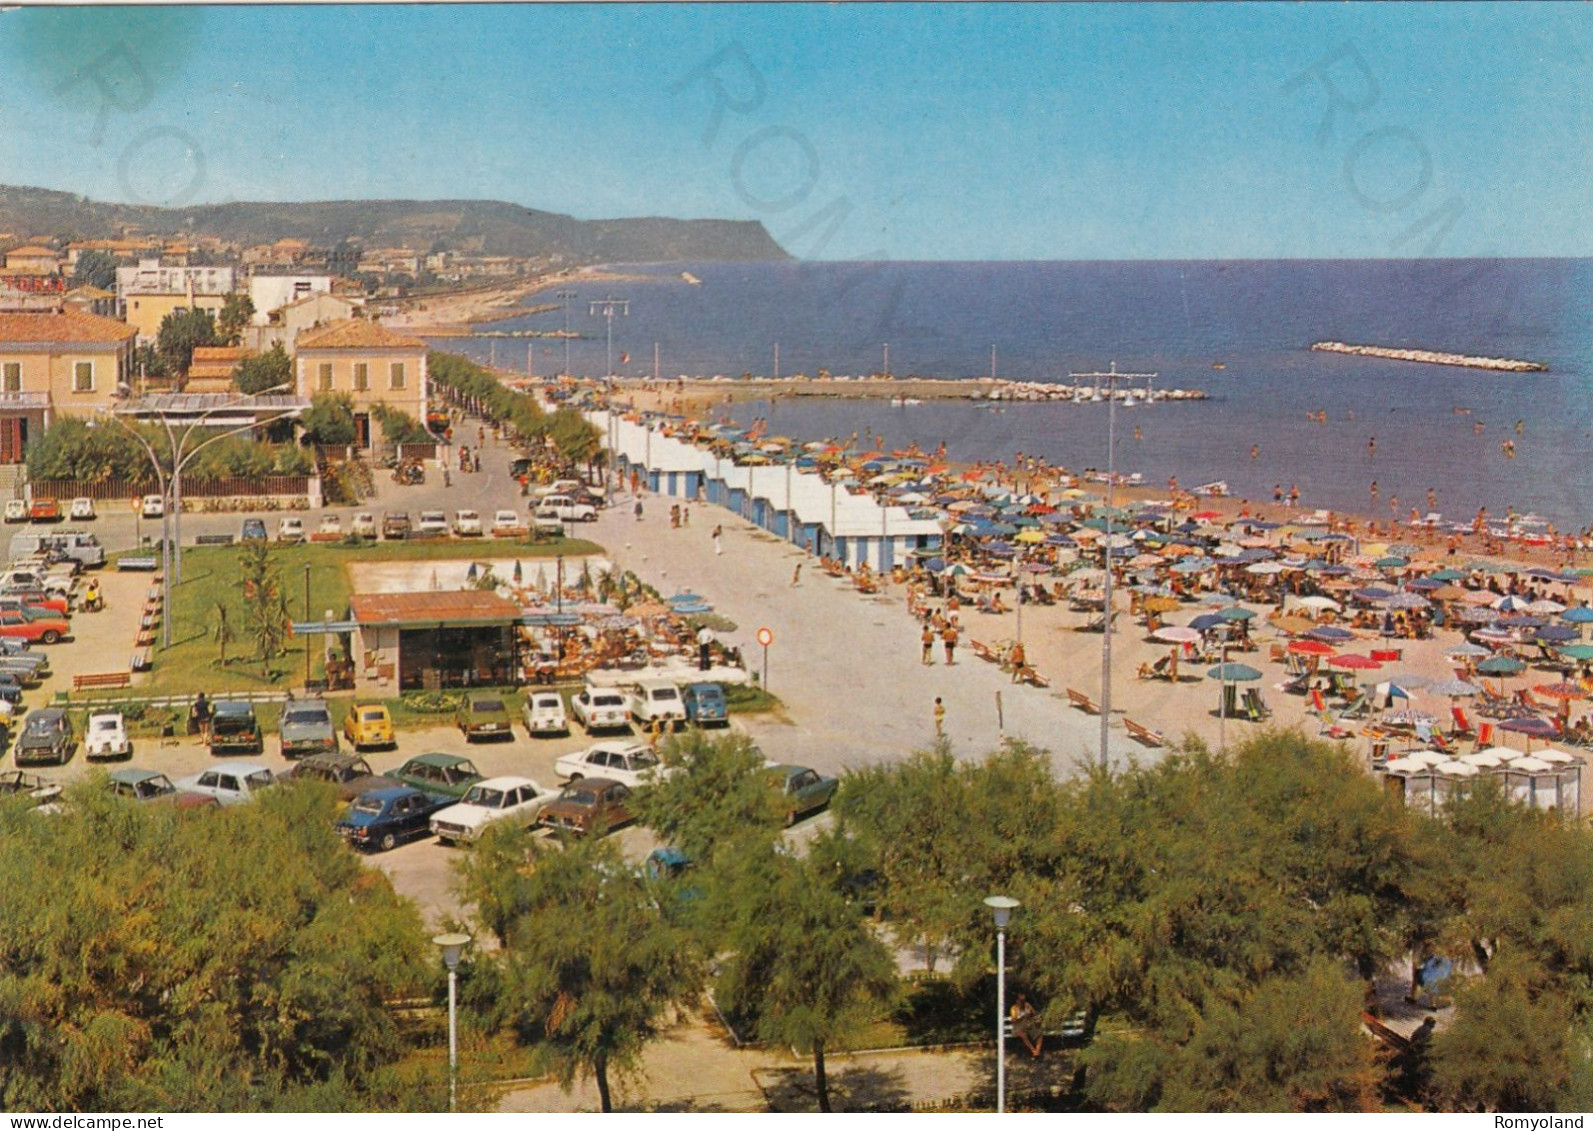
210 574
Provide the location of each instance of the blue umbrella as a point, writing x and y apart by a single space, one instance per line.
1233 673
1556 633
1207 621
1329 634
1579 615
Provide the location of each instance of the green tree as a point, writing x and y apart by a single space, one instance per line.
148 362
268 370
720 798
265 603
181 332
236 310
591 970
803 964
330 419
222 631
95 269
398 427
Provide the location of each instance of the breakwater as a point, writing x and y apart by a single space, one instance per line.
1433 357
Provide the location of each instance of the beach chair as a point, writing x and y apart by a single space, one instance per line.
1484 735
1437 741
1278 654
1083 702
1254 708
1318 704
1358 708
1143 734
1033 678
1491 695
984 651
1462 727
1330 726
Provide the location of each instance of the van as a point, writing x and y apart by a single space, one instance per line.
77 545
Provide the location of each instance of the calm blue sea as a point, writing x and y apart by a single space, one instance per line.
1178 319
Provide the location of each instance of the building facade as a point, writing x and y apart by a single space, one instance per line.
370 363
73 364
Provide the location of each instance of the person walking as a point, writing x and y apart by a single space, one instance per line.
705 637
685 516
1020 662
929 643
796 576
940 718
638 510
949 639
718 537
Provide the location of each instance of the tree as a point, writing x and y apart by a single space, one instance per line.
95 269
221 632
330 419
236 311
592 969
398 427
804 965
181 332
148 362
719 799
268 370
265 602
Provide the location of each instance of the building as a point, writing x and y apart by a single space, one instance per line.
33 260
155 276
213 367
57 364
145 312
90 300
286 323
415 641
372 364
270 293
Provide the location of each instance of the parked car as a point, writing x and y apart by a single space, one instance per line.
47 737
151 786
514 799
306 728
432 523
331 526
45 510
11 688
34 602
395 525
630 762
25 626
600 708
59 546
41 790
230 783
106 736
446 775
506 522
367 725
544 713
589 804
802 791
656 701
253 530
82 509
290 529
483 716
566 509
234 729
351 774
704 704
154 506
16 510
383 818
467 524
363 525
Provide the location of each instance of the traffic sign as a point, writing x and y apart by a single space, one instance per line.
765 637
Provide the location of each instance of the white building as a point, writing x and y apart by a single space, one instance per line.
272 292
151 277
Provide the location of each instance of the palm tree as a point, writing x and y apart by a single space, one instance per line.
222 633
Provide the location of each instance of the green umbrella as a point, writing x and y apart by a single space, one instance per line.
1235 612
1577 651
1233 673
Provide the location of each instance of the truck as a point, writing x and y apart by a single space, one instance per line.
75 545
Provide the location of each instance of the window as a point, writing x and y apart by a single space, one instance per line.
396 375
13 376
362 376
326 376
83 377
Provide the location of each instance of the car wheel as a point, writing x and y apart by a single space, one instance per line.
50 636
389 842
576 777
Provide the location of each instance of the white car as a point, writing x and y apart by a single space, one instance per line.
82 510
230 783
467 524
544 713
106 736
290 530
566 509
657 701
629 762
16 510
363 525
154 506
506 522
432 522
331 524
600 708
497 799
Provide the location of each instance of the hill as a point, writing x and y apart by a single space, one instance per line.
473 227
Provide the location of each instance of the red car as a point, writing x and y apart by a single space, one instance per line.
45 510
46 630
34 599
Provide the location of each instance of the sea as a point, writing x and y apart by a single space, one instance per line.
1240 331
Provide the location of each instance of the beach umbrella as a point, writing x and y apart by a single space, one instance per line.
1558 757
1532 727
647 609
1501 665
1319 602
1483 759
1310 648
1391 562
1331 633
1160 604
1555 633
1579 615
1478 597
1354 661
1576 651
1408 717
1423 585
1264 569
1510 603
1176 634
1564 691
1543 607
1292 626
1407 765
1408 601
1452 688
1390 690
1456 769
1372 594
1404 550
1447 592
1236 613
1234 673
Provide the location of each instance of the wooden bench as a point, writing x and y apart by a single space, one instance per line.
141 660
149 564
1033 678
213 540
104 679
1083 702
146 638
1143 733
984 651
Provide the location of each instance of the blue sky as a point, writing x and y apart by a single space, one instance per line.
1074 131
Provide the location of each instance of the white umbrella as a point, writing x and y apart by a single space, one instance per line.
1559 757
1508 753
1264 569
1316 601
1483 758
1176 634
1454 769
1531 764
1545 607
1407 766
1427 758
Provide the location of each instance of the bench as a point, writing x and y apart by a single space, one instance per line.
984 651
1143 733
1083 702
149 564
213 540
146 638
1033 678
510 532
104 679
141 660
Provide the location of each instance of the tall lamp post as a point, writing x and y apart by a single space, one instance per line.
1002 906
565 297
453 946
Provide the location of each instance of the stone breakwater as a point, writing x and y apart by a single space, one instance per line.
1432 357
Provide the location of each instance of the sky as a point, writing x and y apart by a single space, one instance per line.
904 132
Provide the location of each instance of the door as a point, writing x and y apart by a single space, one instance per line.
362 429
13 439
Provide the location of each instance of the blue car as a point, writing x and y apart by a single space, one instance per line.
254 530
705 705
382 818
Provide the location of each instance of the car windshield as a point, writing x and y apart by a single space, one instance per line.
306 718
546 702
487 706
643 759
368 805
106 725
486 798
579 795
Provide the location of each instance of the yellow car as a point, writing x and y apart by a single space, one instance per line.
367 725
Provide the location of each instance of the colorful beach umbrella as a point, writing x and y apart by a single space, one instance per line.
1234 673
1501 665
1310 648
1354 661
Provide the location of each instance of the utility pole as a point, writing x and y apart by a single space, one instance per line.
608 307
565 297
1111 377
655 363
992 361
776 361
887 349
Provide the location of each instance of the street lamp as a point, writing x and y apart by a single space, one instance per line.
452 945
1002 906
565 297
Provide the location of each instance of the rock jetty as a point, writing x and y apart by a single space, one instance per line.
1432 357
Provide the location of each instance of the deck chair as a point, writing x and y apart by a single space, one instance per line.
1437 741
1463 728
1330 726
1484 734
1254 707
1491 694
1318 704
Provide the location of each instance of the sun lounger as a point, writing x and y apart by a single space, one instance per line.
1144 734
1484 735
1254 708
1083 702
1463 728
1330 726
984 651
1033 678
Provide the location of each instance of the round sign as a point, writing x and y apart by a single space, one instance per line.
765 637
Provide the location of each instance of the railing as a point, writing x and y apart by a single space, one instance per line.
193 487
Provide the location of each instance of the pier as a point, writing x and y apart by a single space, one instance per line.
1432 357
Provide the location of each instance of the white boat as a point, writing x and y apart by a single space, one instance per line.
1215 489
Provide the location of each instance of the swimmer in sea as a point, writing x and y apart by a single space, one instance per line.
1137 434
1371 447
1476 429
1255 450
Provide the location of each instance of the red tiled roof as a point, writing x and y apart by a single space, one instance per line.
72 326
464 606
356 333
